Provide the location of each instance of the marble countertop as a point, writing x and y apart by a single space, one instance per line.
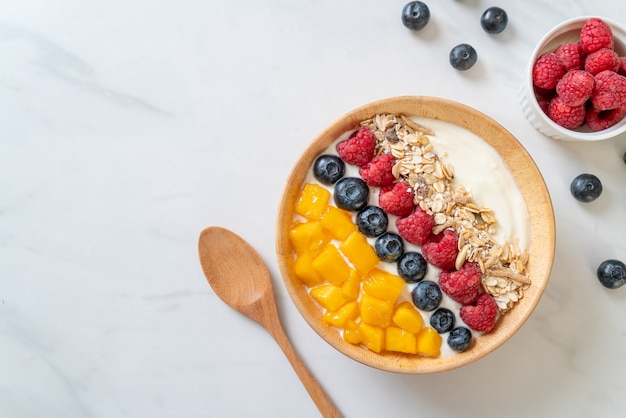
129 126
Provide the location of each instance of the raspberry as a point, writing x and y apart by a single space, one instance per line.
571 55
442 249
622 66
602 59
569 117
417 227
397 199
598 120
482 316
359 148
595 34
575 87
609 90
462 285
377 172
547 70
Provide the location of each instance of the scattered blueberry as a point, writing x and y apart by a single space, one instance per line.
372 221
442 320
586 188
328 169
427 295
612 274
624 158
494 20
412 266
415 15
463 57
389 247
351 193
460 339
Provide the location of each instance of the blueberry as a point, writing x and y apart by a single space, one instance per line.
415 15
624 157
389 247
427 295
372 221
351 193
612 274
412 267
442 320
327 169
586 188
463 57
460 339
494 20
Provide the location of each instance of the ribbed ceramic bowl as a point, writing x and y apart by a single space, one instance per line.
567 31
526 175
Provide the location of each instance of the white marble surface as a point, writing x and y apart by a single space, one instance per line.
128 126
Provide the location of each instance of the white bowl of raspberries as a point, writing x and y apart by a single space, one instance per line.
575 85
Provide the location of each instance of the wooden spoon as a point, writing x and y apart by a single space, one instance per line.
239 277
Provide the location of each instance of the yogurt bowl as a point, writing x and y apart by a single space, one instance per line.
468 174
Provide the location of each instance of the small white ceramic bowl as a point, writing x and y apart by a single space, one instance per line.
568 31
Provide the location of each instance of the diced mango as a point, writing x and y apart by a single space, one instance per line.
312 201
340 317
429 342
372 337
397 339
304 270
308 237
375 311
360 253
407 317
383 285
352 287
329 296
351 333
338 222
331 265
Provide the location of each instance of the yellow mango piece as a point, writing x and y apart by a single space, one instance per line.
352 287
312 201
329 296
331 265
397 339
383 285
429 342
372 337
338 222
308 237
360 253
408 318
339 317
351 333
375 311
304 270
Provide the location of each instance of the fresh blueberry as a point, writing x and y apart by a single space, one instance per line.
415 15
612 274
372 221
442 320
427 295
389 247
586 188
412 266
463 57
494 20
624 157
460 339
351 193
327 169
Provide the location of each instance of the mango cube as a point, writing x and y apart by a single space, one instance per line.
340 317
376 311
408 318
312 201
383 285
308 237
429 342
338 222
352 287
397 339
360 253
372 337
331 265
329 296
351 333
304 270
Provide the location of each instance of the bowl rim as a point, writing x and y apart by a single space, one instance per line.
529 180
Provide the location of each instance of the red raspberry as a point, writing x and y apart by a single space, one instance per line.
377 172
575 87
570 117
602 59
359 148
571 54
622 66
547 70
609 90
417 227
462 285
442 249
598 120
482 316
397 199
595 34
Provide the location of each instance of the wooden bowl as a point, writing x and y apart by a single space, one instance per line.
529 180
